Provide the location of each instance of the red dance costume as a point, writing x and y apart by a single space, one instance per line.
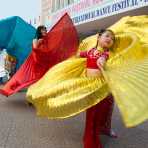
59 44
98 117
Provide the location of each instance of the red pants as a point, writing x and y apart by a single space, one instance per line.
98 121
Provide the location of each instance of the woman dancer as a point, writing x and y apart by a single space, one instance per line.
98 117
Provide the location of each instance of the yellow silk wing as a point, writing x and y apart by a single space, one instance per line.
65 70
65 91
134 24
128 47
127 76
70 97
129 85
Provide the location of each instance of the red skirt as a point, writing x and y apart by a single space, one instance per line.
98 121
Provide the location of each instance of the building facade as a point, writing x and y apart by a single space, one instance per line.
89 15
46 7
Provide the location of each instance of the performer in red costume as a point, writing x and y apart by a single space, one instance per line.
48 49
98 117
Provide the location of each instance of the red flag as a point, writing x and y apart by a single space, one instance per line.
60 43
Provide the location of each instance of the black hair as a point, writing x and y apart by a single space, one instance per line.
101 31
38 31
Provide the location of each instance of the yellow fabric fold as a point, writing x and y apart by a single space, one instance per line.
71 97
129 86
71 68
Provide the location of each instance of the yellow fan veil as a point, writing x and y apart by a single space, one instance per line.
65 91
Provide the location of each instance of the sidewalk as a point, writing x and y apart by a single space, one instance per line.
21 128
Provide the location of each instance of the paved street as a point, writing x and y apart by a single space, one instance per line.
20 128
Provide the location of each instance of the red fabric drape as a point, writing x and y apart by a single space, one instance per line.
60 43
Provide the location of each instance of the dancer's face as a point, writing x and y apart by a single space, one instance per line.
44 32
106 40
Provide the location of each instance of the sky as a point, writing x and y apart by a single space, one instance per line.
26 9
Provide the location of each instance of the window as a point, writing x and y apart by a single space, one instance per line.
59 4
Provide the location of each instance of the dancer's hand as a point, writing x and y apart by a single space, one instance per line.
40 41
36 43
101 62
